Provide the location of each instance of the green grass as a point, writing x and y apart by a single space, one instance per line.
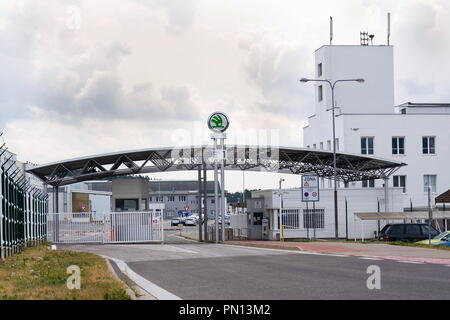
39 273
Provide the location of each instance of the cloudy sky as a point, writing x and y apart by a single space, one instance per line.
92 76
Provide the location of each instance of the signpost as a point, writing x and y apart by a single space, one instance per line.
218 123
311 193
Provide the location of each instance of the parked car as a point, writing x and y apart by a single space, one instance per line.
176 222
190 222
383 232
439 239
444 244
408 232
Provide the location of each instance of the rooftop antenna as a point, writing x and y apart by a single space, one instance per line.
331 31
364 38
389 28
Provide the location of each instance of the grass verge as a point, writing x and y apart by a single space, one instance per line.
39 273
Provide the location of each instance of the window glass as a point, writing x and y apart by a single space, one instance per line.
413 229
396 229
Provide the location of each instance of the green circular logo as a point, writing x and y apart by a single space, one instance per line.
218 122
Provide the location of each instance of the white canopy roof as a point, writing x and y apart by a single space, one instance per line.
375 216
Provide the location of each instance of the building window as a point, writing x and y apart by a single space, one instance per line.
368 183
400 182
182 198
429 181
398 145
313 219
367 145
170 198
328 145
320 93
337 144
321 146
314 146
150 199
319 70
429 145
309 147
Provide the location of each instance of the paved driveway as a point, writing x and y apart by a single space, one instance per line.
210 271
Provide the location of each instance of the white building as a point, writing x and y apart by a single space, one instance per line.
369 123
264 207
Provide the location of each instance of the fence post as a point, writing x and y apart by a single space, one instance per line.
2 252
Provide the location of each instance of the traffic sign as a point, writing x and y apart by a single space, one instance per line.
310 188
218 122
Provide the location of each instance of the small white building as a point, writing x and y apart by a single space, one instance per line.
369 123
299 218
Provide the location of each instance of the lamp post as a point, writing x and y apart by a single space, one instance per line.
333 86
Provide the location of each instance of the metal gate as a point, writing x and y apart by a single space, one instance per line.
110 227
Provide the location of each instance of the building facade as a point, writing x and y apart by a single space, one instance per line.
369 123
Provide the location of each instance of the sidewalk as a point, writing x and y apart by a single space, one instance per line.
382 251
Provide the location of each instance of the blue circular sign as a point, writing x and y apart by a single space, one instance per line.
306 194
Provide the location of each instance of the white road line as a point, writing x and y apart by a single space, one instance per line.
369 258
291 251
156 291
411 262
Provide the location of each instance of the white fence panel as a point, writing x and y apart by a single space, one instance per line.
111 227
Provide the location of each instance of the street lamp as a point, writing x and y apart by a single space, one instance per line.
333 86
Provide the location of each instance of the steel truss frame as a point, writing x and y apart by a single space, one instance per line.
249 158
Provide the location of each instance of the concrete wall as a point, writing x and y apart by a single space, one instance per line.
130 189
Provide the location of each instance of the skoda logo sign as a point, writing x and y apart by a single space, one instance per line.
218 122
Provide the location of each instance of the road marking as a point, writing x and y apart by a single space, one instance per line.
156 291
182 238
369 258
411 262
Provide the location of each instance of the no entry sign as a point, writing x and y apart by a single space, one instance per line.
310 188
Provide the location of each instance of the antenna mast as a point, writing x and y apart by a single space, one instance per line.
389 28
331 31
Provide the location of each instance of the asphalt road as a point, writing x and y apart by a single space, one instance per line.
208 271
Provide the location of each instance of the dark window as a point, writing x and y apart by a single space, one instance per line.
367 145
398 145
319 70
320 93
126 204
429 145
395 229
413 229
400 182
368 183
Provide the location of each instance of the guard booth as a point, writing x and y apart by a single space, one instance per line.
258 221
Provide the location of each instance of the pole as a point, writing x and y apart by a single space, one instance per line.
222 184
386 194
314 219
216 192
200 192
205 204
243 190
280 215
334 167
346 219
430 217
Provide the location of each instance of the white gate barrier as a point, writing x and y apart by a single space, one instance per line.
110 227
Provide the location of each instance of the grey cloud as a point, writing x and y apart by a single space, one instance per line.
275 69
180 13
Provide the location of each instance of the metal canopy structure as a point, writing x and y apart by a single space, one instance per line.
250 158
